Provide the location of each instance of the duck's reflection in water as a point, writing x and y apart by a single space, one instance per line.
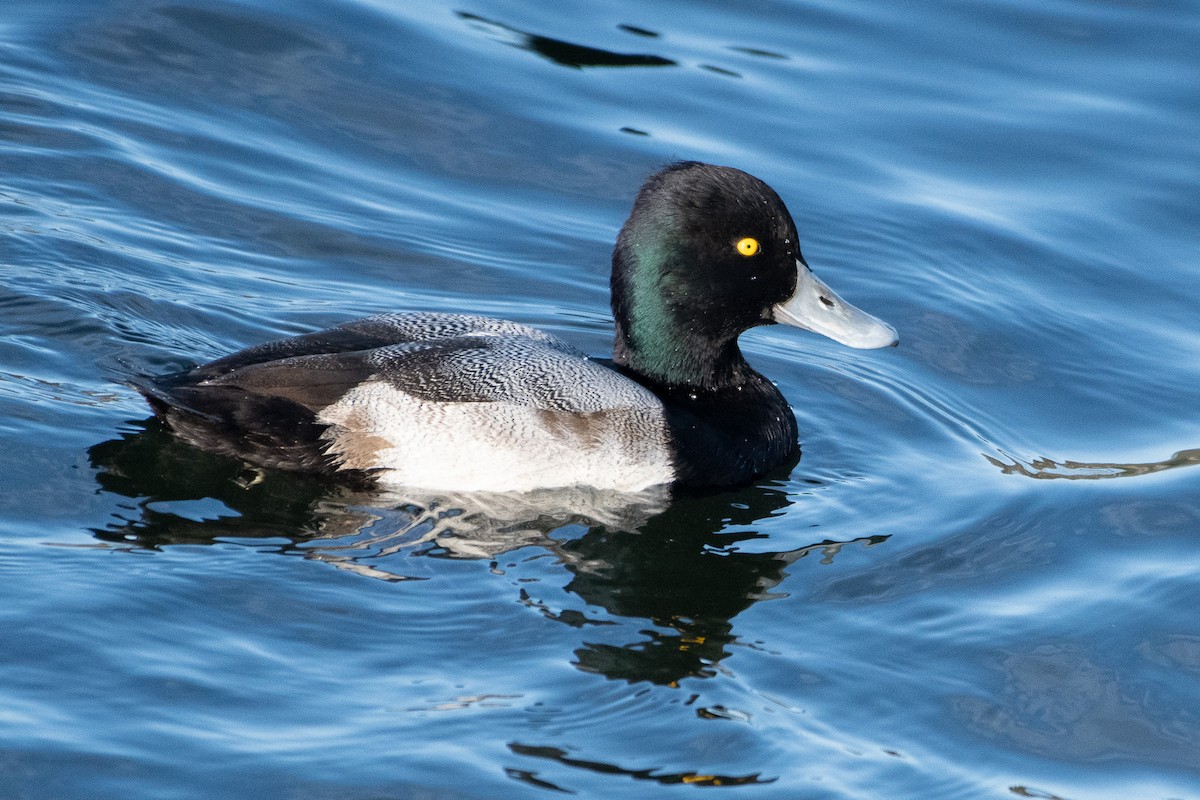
680 563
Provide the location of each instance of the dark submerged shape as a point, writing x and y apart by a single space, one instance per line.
707 253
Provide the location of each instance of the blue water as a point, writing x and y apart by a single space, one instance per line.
980 581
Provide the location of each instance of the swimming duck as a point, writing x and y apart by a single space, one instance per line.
458 402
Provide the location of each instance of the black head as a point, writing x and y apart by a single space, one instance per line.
707 253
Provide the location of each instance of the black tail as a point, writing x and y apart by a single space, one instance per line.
262 429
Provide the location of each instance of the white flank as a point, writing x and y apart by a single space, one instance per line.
496 446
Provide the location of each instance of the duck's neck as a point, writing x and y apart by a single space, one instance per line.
671 356
728 424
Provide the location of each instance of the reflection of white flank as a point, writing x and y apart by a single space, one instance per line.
359 532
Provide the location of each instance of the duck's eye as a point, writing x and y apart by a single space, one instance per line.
748 246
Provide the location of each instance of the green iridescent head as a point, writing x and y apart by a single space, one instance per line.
707 253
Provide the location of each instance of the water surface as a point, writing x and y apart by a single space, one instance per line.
978 582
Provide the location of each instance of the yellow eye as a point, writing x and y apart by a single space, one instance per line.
748 246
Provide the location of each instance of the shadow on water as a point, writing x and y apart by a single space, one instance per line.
681 564
567 54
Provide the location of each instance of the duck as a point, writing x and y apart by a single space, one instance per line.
461 402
